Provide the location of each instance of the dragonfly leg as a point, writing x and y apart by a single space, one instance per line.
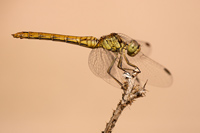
110 68
137 70
137 79
125 69
120 64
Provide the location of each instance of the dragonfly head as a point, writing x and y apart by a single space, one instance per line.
133 48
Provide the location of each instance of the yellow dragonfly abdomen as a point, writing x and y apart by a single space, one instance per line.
87 41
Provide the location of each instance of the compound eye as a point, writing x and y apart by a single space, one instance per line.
133 48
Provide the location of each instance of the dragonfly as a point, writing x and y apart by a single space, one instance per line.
112 55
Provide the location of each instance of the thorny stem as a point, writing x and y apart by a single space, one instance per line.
131 92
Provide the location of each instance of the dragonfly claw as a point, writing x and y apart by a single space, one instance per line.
137 70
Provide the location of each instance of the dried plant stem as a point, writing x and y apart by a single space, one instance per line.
131 92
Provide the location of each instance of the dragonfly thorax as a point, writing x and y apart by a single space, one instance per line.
111 42
115 43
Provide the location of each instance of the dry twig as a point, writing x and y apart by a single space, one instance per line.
131 92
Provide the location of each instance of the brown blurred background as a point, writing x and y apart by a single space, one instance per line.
47 87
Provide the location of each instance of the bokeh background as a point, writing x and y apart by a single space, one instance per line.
47 87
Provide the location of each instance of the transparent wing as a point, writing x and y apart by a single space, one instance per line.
100 60
145 46
152 71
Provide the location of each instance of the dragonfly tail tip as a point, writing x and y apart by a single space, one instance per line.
15 35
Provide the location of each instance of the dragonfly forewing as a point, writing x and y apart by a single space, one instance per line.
152 71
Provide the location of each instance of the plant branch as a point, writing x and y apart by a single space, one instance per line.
131 92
